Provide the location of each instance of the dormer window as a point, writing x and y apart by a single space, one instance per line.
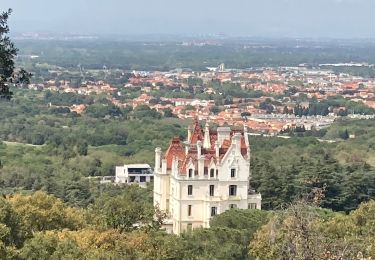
191 173
233 173
212 173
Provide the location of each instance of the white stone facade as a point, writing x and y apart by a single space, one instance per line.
202 177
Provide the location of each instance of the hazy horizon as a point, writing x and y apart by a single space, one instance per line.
266 18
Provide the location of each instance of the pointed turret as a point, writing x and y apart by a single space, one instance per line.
196 134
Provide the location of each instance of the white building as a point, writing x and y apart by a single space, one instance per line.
205 176
139 174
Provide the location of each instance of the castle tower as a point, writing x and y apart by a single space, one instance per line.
208 178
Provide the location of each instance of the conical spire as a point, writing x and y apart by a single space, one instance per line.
196 134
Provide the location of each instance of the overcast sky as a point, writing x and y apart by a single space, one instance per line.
266 18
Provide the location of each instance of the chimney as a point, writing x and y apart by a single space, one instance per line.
190 130
207 141
217 149
157 159
201 165
175 166
164 166
236 140
222 134
247 142
199 149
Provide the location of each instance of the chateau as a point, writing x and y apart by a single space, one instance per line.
204 176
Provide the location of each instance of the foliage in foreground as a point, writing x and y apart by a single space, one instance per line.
8 52
305 232
40 226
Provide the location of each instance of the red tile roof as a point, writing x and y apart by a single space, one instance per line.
197 134
175 150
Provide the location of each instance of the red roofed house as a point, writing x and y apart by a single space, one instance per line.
78 108
204 176
370 103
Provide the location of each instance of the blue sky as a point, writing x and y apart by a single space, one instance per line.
266 18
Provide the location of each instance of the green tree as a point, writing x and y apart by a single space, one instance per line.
215 110
12 231
248 220
126 212
344 135
168 112
8 52
245 114
40 212
82 148
214 243
45 246
304 231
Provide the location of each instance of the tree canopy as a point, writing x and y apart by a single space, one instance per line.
8 52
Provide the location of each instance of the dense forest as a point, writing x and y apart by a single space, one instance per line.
51 149
168 55
313 189
283 170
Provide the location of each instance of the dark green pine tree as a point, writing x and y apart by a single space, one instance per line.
358 187
345 135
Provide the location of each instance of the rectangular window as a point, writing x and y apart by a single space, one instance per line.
212 173
252 206
213 211
190 189
190 173
142 179
189 210
205 171
132 179
232 173
189 227
232 190
212 190
233 206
